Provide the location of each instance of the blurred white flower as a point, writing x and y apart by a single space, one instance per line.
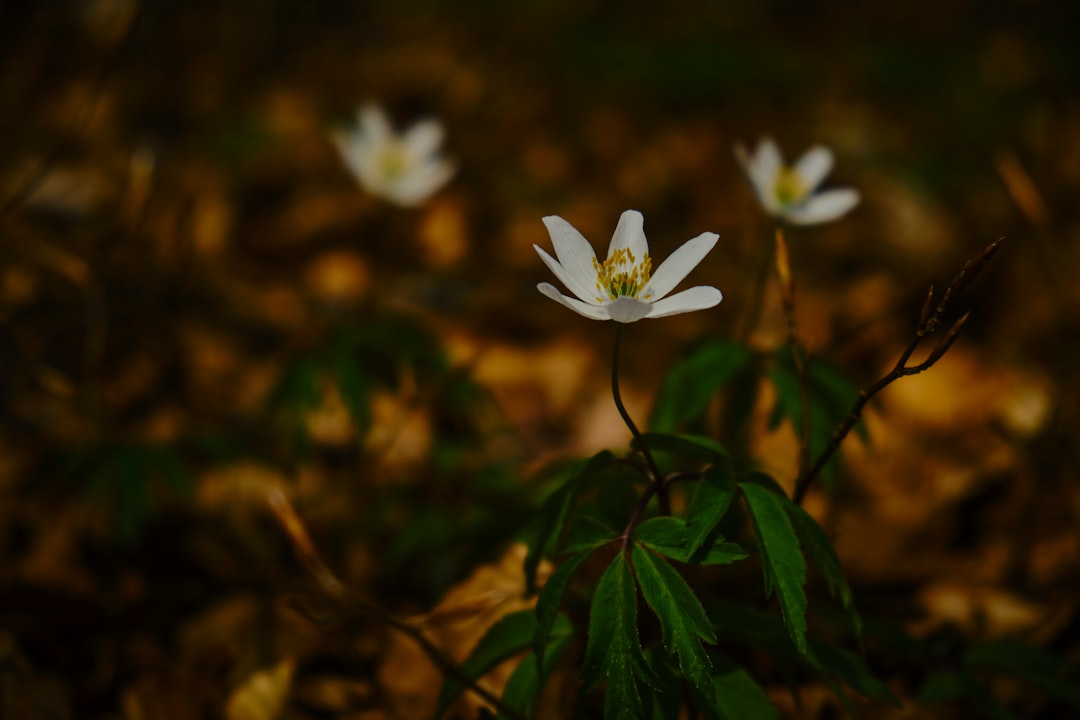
405 168
787 192
623 288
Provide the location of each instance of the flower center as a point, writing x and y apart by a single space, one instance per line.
392 162
622 275
789 188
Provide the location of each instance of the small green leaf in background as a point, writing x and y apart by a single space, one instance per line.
962 686
613 650
588 533
552 515
528 678
510 635
689 446
785 568
690 386
549 600
830 394
682 619
737 695
710 502
1031 665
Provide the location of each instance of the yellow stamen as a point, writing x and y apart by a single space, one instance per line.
789 188
622 275
392 163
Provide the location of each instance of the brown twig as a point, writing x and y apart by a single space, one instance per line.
930 321
309 556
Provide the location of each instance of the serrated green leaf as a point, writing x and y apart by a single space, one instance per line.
816 544
710 502
691 446
588 533
690 386
549 600
510 635
623 698
613 650
785 568
665 700
737 694
552 515
682 619
528 678
667 536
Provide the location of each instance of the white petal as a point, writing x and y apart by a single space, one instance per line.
628 309
814 165
421 183
765 165
823 207
678 265
696 298
585 293
593 312
423 139
373 124
630 233
575 254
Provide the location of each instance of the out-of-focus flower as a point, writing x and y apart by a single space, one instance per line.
623 288
788 192
404 168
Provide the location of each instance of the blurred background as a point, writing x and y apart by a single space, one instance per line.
201 307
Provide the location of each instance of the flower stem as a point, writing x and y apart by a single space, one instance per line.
654 469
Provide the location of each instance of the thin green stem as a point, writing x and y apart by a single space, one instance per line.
654 469
757 294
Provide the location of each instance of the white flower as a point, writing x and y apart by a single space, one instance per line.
623 288
404 168
788 192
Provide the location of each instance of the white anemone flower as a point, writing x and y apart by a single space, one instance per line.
404 168
624 288
788 192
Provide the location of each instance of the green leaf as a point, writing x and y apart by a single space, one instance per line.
588 533
527 680
816 544
710 502
851 669
1032 665
683 621
737 695
354 388
785 568
962 686
664 701
690 386
551 517
830 394
613 650
667 536
510 635
762 631
690 446
549 600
